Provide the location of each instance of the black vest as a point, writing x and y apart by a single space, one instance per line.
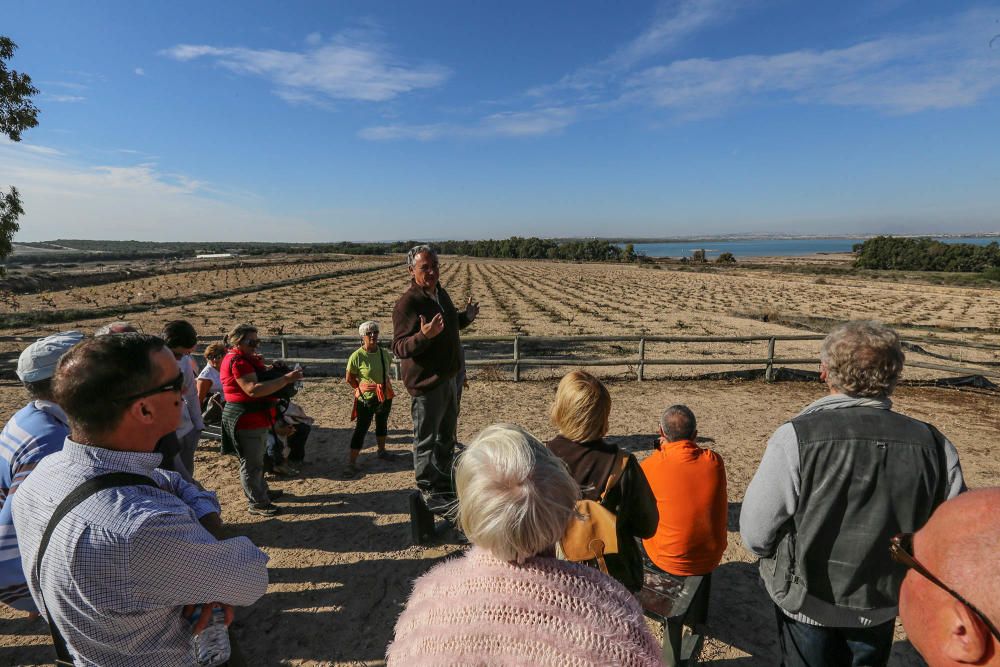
866 475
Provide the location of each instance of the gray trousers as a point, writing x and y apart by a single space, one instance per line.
251 445
189 443
435 421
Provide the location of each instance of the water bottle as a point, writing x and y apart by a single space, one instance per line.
211 646
298 383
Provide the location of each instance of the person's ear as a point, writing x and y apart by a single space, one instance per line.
141 412
823 371
662 434
968 638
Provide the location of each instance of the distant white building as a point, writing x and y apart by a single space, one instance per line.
219 255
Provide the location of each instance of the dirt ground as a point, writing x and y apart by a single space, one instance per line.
342 562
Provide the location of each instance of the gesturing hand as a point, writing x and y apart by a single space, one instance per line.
432 328
471 309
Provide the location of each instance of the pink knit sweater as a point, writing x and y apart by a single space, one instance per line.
478 610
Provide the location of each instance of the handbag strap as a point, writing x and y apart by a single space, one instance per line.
621 462
75 497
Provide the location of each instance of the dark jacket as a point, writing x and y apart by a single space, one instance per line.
427 362
631 500
866 474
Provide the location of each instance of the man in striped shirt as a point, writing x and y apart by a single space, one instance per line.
35 431
124 563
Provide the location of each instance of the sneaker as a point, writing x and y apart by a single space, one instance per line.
350 471
274 494
264 510
285 469
386 456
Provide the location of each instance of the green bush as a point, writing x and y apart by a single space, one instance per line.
925 254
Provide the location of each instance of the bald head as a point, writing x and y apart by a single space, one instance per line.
961 546
678 423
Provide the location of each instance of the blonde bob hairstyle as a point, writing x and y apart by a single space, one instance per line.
581 408
239 332
863 358
515 497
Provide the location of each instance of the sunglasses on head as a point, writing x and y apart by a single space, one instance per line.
901 549
174 385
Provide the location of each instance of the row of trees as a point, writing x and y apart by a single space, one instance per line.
592 250
925 254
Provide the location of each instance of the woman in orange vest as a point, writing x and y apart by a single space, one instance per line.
368 373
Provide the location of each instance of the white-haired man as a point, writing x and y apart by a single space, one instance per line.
950 599
425 327
35 431
834 485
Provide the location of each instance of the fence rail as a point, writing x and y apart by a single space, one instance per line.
516 361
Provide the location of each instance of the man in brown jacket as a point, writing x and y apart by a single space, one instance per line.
425 327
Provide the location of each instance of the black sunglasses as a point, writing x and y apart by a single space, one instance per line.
252 343
372 333
901 549
174 385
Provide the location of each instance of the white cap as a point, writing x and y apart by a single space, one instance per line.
38 361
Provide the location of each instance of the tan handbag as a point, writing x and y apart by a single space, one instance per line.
592 532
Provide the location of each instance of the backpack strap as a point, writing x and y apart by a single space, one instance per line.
75 497
621 462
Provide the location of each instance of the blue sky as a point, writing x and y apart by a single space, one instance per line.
368 120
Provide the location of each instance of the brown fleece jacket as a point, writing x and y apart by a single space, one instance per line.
426 362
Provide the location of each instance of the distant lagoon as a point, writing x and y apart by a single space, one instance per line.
772 247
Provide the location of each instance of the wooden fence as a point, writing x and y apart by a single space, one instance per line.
517 361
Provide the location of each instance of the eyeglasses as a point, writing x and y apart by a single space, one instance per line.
174 385
373 334
901 549
252 343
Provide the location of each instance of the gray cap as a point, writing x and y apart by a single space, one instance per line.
38 361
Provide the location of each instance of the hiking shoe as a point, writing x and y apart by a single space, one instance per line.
285 469
264 510
274 494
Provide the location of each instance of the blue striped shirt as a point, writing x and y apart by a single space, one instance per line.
35 431
123 563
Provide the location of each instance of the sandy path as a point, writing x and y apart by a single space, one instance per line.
341 558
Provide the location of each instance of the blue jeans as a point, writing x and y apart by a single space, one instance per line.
804 645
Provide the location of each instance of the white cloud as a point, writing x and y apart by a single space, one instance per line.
505 124
940 69
943 65
63 199
140 71
314 39
40 150
63 98
69 85
666 31
351 66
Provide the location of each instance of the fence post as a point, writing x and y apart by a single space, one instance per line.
517 357
284 348
769 370
642 359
